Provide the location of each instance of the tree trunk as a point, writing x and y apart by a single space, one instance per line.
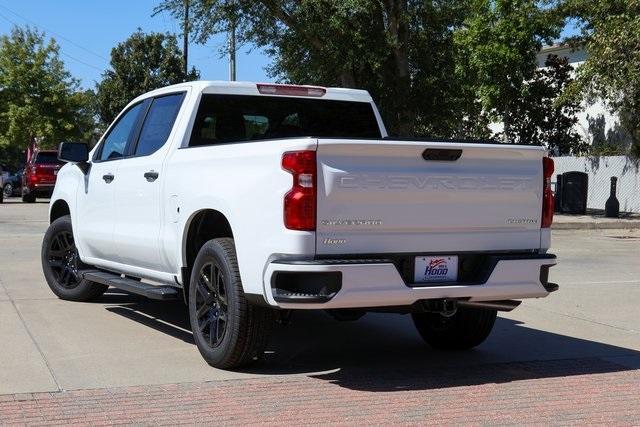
398 28
347 78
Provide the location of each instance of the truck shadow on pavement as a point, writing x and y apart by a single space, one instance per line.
383 352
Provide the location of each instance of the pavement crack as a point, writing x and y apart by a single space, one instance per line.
32 338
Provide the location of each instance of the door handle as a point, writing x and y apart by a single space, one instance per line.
441 154
108 178
151 176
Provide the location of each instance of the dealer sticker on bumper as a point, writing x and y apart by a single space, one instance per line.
436 269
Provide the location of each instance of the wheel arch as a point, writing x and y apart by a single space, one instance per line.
202 226
59 208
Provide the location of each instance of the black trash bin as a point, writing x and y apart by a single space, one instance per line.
574 192
557 195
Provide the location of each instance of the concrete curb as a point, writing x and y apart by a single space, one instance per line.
606 225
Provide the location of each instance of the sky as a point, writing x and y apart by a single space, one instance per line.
86 30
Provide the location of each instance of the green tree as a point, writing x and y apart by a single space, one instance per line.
611 36
540 115
399 50
40 99
141 63
496 51
434 67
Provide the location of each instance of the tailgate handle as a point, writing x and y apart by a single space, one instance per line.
441 154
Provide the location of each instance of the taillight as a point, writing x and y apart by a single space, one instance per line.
290 90
33 177
547 194
300 201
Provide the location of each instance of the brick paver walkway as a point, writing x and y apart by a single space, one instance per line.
573 392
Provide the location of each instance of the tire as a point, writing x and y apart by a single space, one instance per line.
7 190
29 198
228 331
60 264
467 328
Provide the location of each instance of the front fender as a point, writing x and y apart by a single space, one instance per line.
68 181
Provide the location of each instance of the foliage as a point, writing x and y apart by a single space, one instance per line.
497 47
606 142
611 35
141 63
38 97
538 115
434 67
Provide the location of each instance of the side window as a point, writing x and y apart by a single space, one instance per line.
158 123
116 140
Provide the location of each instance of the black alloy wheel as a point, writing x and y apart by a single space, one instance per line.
229 331
211 304
62 266
63 259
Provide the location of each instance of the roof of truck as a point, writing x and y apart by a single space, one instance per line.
251 88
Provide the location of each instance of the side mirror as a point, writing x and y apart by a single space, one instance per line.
75 152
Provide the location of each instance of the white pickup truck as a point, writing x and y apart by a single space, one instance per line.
249 200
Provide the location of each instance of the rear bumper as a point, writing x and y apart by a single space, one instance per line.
40 190
378 283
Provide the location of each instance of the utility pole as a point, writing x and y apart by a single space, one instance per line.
185 40
232 51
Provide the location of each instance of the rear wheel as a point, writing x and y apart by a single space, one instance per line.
29 198
228 331
61 264
465 329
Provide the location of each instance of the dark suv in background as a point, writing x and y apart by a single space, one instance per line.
40 175
12 183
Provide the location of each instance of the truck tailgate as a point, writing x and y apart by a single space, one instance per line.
382 196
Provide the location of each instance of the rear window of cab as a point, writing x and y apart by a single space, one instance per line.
234 118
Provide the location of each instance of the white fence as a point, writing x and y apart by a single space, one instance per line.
600 171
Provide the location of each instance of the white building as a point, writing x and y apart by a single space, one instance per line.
599 169
590 112
594 113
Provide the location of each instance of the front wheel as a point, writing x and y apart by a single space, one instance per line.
228 331
465 329
7 191
61 264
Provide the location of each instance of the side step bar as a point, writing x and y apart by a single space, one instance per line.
163 293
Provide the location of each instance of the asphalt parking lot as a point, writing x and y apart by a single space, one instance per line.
573 357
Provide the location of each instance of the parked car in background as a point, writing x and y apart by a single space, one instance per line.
12 185
40 175
3 176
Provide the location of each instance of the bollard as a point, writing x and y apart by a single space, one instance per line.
612 206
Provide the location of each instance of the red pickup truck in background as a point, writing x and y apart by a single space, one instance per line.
40 175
